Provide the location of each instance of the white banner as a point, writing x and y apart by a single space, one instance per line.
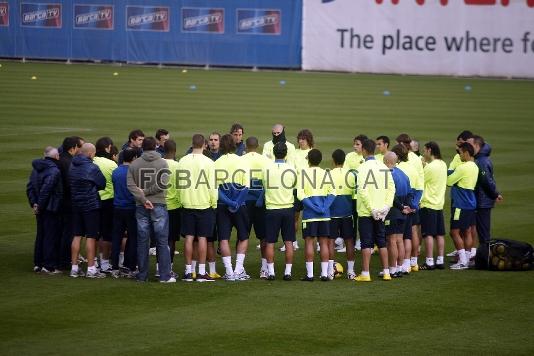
446 37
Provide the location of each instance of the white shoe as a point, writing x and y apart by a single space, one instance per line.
152 251
95 275
459 266
351 275
452 254
264 274
358 245
77 274
283 248
170 280
242 276
295 245
228 277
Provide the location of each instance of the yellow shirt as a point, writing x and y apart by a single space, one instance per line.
435 185
172 197
268 152
196 182
279 181
376 188
107 166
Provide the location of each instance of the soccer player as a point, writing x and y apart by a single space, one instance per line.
316 192
352 162
237 132
135 140
107 166
279 182
172 199
232 176
341 224
419 184
255 198
162 136
463 182
375 194
213 145
124 218
395 219
464 136
279 135
198 196
45 192
382 147
485 190
432 221
85 179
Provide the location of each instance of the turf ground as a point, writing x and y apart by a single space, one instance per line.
439 312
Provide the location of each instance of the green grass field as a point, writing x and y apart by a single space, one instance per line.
439 312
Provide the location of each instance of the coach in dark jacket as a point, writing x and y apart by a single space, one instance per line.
486 189
45 193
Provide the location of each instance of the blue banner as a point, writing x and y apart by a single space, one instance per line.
262 33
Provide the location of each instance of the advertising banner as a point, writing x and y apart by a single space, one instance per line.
93 17
202 20
147 18
259 21
4 14
40 15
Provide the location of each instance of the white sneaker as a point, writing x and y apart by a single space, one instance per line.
459 266
358 245
283 248
152 251
263 274
170 280
228 277
77 274
452 254
242 276
95 274
351 275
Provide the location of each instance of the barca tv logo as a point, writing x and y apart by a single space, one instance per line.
4 14
529 3
147 18
259 21
40 15
97 17
202 20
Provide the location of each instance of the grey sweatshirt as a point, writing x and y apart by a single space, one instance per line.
142 175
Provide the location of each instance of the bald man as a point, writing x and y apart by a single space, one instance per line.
85 180
279 135
397 215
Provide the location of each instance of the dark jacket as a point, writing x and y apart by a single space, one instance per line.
486 189
64 162
85 180
45 187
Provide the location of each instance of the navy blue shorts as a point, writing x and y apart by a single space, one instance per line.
355 218
175 217
256 219
106 220
394 226
407 235
372 232
462 219
86 223
342 227
227 220
316 229
416 219
279 220
197 222
432 222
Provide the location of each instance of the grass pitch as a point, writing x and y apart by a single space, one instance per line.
439 312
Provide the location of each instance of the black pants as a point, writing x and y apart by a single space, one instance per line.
47 239
483 221
65 242
124 220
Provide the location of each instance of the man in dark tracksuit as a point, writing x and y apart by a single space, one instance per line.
45 191
486 189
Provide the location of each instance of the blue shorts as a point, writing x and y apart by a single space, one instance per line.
86 223
197 222
462 219
432 222
342 227
174 224
407 235
227 220
256 219
416 219
106 220
280 220
394 226
316 229
371 232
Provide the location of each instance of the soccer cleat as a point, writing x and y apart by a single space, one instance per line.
263 274
440 266
214 275
152 251
452 254
76 274
426 267
458 266
37 269
204 278
307 279
270 277
95 275
325 279
414 268
386 277
287 277
188 277
351 275
361 278
242 276
170 280
229 277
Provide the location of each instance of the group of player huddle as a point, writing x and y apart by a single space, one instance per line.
392 198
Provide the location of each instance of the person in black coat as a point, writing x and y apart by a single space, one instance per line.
45 193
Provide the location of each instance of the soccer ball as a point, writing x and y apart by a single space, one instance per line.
338 270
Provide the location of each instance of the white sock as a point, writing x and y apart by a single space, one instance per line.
430 261
330 267
324 269
264 264
227 262
467 255
74 268
239 259
462 257
365 273
213 269
104 264
309 269
473 252
350 266
439 260
393 270
193 266
91 269
270 269
188 269
289 266
413 261
201 269
406 265
157 267
386 271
